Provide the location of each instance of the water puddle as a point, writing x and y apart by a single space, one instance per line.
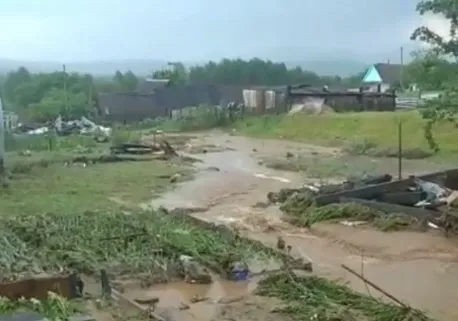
184 301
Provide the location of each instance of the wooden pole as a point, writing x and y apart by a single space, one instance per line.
401 76
400 150
64 72
2 141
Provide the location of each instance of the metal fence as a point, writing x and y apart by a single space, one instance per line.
415 102
408 103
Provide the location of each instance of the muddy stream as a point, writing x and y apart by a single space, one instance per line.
418 268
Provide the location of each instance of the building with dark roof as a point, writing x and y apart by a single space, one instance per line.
385 75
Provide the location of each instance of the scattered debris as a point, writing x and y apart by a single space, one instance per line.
193 272
315 298
69 286
289 155
26 153
212 169
281 244
424 201
147 300
175 178
141 149
196 299
82 126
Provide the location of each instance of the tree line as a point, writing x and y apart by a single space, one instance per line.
251 72
43 96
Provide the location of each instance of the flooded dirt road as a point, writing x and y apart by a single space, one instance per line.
418 268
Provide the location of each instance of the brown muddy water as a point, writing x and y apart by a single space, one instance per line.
419 268
180 301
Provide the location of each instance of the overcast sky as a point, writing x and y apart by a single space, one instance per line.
191 30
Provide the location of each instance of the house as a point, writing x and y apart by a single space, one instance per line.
382 76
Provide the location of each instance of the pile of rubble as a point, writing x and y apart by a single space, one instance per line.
64 128
431 199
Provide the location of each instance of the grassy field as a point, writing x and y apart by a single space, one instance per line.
56 188
361 132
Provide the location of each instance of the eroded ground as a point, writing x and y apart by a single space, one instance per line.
418 268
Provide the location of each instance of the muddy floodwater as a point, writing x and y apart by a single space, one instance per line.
421 269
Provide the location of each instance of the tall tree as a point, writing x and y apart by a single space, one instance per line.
443 50
15 79
130 81
118 77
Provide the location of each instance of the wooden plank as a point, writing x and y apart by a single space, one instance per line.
388 208
403 198
65 286
366 192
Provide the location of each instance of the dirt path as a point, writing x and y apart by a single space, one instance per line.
418 268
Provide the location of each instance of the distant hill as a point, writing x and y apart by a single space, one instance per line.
99 68
144 67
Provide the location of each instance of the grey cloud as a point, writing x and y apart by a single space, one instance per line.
204 29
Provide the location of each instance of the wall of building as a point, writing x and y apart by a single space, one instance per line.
135 107
129 107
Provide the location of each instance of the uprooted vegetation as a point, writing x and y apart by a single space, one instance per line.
314 298
395 206
349 211
301 211
54 307
122 243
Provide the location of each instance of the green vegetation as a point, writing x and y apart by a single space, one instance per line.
324 167
46 185
437 68
301 210
54 216
368 133
54 308
317 299
306 216
92 240
42 97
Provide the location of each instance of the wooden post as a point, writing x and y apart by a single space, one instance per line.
2 141
64 72
400 150
401 80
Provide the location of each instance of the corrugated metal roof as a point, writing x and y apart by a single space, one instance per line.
151 84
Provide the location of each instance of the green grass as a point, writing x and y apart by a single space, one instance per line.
54 217
376 131
53 187
317 299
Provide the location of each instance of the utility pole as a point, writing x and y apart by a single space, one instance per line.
2 142
65 87
401 80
